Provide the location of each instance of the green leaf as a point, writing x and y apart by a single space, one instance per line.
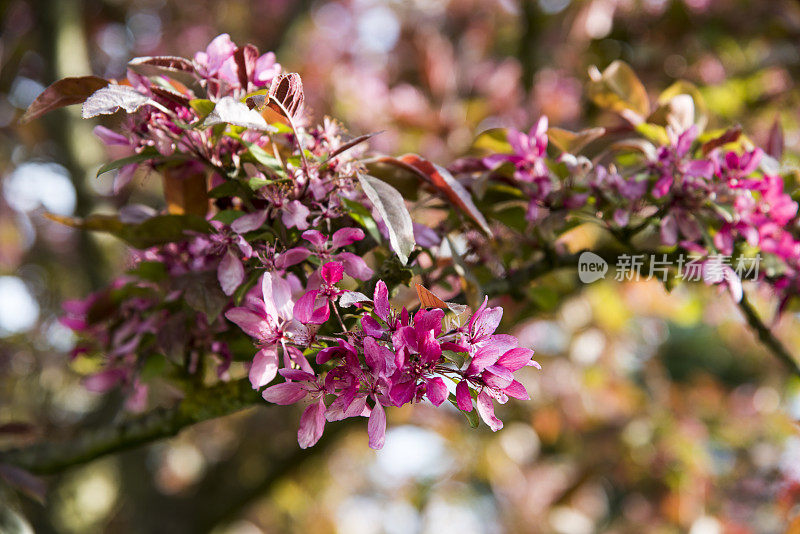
472 416
230 188
145 155
227 216
153 231
457 358
259 154
150 270
494 140
362 216
653 132
573 142
202 292
618 89
202 107
391 206
153 367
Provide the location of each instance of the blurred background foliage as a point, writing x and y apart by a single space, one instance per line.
654 412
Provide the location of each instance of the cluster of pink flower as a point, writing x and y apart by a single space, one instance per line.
275 185
393 359
278 239
707 204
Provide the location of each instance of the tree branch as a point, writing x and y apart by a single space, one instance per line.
517 280
766 337
226 398
199 405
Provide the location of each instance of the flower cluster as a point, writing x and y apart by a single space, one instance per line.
702 198
284 228
394 358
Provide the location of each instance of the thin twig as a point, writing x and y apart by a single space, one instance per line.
767 338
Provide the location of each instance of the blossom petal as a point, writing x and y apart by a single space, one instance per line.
436 390
379 358
332 272
312 424
230 273
354 265
104 380
486 356
403 392
284 393
252 324
295 215
371 326
315 237
463 398
264 368
486 411
517 390
304 307
346 236
376 427
382 308
277 296
293 256
497 376
249 222
515 358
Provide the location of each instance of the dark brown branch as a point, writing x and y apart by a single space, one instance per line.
766 337
199 405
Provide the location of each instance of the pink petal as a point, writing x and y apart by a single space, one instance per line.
104 380
230 273
403 392
486 411
376 427
264 368
284 393
304 307
517 390
379 358
277 296
486 356
312 424
429 348
110 137
124 177
354 265
249 222
497 376
382 308
346 236
252 324
515 358
371 326
463 398
293 256
332 272
295 215
297 375
436 391
669 230
316 238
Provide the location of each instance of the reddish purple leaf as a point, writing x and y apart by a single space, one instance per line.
775 142
729 136
65 92
286 94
